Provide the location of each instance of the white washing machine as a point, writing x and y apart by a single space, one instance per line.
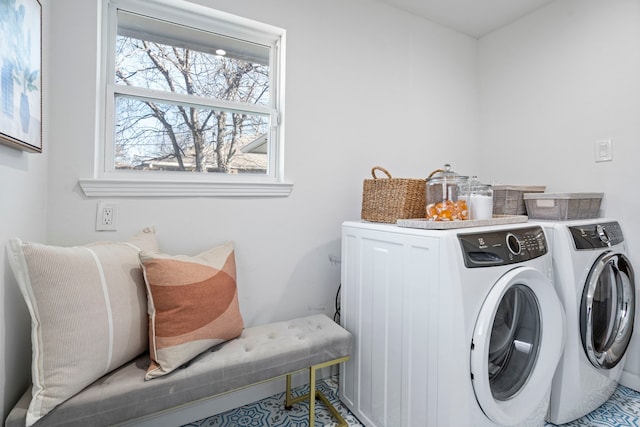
458 327
594 280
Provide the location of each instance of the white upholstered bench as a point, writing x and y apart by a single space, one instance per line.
261 353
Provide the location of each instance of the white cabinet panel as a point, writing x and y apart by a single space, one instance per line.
387 294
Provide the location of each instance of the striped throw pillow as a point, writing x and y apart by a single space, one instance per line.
88 312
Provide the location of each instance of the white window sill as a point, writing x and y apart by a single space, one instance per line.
136 188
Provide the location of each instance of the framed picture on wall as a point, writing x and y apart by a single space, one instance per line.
21 74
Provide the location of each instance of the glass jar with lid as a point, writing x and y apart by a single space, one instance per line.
479 199
442 189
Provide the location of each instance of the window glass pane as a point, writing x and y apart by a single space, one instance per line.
157 135
160 55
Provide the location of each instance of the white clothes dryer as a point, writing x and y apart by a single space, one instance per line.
458 327
595 282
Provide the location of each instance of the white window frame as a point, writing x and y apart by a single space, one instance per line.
108 182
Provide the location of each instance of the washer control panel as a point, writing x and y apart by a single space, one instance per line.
597 235
492 248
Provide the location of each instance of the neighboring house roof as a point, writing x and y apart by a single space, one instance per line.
250 158
258 145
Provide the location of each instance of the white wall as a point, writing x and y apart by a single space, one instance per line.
554 83
550 86
366 85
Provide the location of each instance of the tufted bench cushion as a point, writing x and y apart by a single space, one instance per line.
261 353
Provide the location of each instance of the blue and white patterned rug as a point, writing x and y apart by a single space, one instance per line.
270 412
621 410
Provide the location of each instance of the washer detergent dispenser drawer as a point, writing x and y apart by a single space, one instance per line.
494 248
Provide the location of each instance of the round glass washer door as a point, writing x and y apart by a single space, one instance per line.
517 343
607 310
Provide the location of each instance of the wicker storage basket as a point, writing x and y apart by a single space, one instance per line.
389 199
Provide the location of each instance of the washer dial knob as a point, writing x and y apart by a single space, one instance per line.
513 244
602 234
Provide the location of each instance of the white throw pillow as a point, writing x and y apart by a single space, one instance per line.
88 312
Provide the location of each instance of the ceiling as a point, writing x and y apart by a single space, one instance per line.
473 17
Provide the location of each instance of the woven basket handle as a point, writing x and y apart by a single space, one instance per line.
435 172
379 168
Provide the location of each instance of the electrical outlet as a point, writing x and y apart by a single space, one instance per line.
107 216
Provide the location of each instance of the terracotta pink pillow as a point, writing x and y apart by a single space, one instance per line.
192 305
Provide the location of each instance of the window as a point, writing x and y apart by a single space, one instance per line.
193 103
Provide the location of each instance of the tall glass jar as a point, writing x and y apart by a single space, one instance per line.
443 186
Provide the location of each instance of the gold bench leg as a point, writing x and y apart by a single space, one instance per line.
312 396
317 394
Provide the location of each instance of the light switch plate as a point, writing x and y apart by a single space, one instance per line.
603 151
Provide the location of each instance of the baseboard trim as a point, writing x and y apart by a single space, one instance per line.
630 380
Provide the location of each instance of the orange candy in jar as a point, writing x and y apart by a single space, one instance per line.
442 190
448 210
